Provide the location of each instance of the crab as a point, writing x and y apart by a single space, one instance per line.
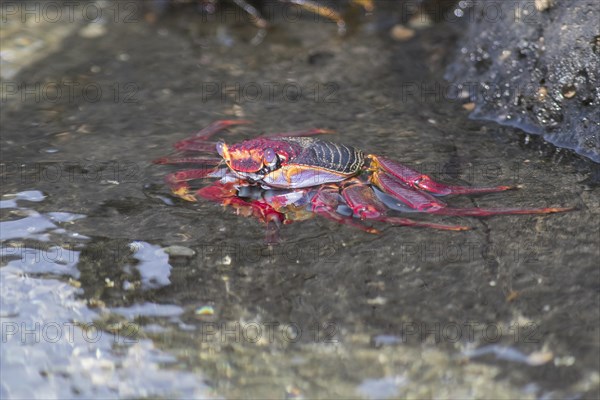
312 6
308 5
286 177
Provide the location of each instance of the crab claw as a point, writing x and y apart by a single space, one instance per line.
178 181
217 192
227 195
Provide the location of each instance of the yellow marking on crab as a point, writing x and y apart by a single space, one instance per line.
323 11
243 155
374 165
226 155
184 193
225 151
287 173
374 178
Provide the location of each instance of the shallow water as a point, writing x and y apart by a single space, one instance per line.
139 294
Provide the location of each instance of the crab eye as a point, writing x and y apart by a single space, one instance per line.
270 156
220 148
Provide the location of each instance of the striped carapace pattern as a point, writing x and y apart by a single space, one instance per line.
335 157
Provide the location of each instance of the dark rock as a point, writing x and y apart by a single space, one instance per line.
535 65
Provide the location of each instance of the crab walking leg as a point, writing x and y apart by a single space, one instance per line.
259 209
322 11
425 202
311 132
361 199
363 202
419 224
420 201
325 202
489 212
258 20
187 160
211 130
196 145
421 181
340 219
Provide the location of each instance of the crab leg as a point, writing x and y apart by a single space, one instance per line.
488 212
425 202
259 21
420 201
418 224
256 208
322 11
209 131
196 145
361 199
187 160
421 181
217 126
340 219
325 203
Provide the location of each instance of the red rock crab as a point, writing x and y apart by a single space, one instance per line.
291 176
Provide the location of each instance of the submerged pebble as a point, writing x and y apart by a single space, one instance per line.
402 33
179 251
93 30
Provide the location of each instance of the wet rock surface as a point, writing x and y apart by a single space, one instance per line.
188 299
535 66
